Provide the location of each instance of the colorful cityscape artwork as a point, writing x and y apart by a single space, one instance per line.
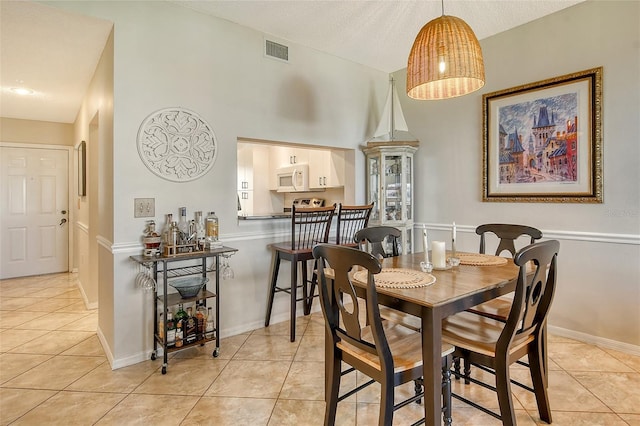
538 140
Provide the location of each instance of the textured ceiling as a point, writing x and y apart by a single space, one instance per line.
55 52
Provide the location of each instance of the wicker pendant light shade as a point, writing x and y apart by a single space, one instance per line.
445 61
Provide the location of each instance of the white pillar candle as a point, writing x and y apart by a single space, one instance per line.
438 254
425 244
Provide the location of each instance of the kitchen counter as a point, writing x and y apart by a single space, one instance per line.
267 216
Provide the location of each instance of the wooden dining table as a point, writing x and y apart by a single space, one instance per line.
454 290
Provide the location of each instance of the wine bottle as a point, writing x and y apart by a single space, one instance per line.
161 326
190 327
171 330
181 315
209 324
179 333
201 319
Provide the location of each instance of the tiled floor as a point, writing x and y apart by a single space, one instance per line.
54 371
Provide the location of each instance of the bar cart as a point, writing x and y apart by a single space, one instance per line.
194 264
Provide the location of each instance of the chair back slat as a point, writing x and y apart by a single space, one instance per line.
507 233
534 291
378 238
310 226
340 304
351 219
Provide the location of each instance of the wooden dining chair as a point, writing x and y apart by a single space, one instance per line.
381 240
351 219
309 226
388 353
494 344
374 239
507 233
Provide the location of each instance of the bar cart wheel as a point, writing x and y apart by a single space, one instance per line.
216 352
153 356
164 369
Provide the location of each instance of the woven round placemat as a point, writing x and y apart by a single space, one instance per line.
477 259
398 278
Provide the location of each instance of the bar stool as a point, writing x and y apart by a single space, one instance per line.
309 226
351 219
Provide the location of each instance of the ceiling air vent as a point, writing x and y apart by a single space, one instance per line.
276 50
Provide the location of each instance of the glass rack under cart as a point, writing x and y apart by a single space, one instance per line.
182 265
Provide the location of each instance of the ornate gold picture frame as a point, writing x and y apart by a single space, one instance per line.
543 141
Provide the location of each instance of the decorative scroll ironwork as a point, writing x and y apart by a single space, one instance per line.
177 144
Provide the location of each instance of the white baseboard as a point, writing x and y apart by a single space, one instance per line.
105 346
85 299
595 340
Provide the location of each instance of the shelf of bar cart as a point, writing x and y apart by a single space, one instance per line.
160 266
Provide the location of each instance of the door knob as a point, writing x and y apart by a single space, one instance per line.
63 212
63 221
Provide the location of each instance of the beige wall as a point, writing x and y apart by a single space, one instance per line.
598 293
177 57
37 132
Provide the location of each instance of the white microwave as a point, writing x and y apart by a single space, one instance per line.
293 178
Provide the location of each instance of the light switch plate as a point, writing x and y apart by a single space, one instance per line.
144 207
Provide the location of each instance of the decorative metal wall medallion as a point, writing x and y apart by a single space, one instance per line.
177 144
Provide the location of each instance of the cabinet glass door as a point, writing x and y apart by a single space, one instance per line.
394 208
373 167
407 180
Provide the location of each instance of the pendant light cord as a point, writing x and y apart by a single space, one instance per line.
442 4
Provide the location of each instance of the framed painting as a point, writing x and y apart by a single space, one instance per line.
543 141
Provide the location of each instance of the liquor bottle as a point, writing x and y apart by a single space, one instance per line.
209 324
171 330
199 230
179 333
201 320
151 240
166 230
181 315
183 225
190 327
161 326
212 228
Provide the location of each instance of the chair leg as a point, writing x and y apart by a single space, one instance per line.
332 390
446 390
386 402
312 287
537 370
294 299
305 281
456 367
467 370
417 388
275 267
503 388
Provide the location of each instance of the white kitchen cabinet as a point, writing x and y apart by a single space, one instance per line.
326 169
283 156
389 179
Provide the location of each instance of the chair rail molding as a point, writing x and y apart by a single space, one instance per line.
596 237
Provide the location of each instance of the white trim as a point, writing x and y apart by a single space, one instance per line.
85 299
82 227
105 346
105 243
594 237
595 340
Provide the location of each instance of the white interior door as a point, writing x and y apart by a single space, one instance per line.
34 206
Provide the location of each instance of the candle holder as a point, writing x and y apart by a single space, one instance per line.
426 266
453 261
